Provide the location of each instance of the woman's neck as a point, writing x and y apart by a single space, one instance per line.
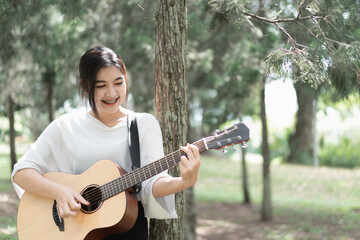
109 119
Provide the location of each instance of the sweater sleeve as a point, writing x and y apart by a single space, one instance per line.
151 148
41 155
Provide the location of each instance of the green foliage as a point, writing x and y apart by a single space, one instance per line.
297 64
345 153
344 74
320 39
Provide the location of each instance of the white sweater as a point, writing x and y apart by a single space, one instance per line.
75 141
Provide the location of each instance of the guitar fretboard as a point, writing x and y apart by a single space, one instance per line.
141 174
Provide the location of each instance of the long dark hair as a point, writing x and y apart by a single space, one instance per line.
89 65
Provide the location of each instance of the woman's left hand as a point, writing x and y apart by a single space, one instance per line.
190 165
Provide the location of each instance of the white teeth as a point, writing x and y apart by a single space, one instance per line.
110 101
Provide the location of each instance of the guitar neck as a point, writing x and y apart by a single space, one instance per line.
141 174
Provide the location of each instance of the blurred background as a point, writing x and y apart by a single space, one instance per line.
291 65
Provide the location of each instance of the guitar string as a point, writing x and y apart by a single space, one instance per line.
93 195
126 183
155 167
126 180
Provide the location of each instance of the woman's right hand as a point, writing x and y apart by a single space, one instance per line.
68 201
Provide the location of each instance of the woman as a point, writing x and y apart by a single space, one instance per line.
75 141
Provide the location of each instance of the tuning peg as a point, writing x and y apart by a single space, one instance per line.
244 145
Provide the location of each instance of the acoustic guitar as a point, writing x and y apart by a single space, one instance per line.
113 207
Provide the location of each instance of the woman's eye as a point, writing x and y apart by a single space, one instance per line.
101 86
119 83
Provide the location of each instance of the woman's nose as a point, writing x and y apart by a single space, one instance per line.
111 91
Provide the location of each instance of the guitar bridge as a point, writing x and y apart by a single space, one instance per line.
59 222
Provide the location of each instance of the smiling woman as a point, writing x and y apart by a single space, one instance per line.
73 146
103 80
110 93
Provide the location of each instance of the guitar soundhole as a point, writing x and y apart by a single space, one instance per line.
93 195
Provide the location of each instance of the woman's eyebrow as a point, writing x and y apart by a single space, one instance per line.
99 81
119 78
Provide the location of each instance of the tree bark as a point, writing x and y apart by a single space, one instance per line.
171 98
12 135
301 141
266 210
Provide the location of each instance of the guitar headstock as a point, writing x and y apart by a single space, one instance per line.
238 133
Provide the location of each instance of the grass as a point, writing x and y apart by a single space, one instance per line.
316 201
220 180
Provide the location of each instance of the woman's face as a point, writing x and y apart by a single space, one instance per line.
110 90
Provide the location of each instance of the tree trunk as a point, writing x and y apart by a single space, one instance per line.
315 142
11 131
49 81
266 210
245 183
190 208
301 141
190 216
171 98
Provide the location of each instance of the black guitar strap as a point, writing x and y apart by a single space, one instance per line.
134 146
140 230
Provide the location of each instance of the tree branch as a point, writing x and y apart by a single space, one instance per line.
300 8
310 32
295 44
274 21
297 20
329 39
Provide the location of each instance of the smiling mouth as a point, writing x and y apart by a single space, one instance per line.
110 102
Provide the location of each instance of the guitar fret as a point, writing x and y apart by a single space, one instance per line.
167 163
139 175
110 190
164 164
144 174
154 170
161 167
149 172
172 155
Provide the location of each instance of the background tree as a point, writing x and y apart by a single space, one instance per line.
327 57
13 67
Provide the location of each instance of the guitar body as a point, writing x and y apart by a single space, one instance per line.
37 220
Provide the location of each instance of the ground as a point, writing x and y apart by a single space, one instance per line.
217 220
224 221
8 204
